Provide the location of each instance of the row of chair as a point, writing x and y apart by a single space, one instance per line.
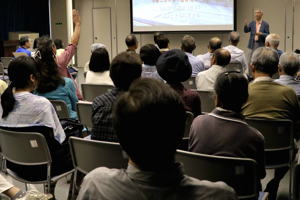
239 173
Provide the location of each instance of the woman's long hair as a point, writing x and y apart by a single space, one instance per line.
19 71
50 78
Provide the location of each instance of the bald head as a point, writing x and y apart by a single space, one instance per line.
214 43
234 38
272 40
222 57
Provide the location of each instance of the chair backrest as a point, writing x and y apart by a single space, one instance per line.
239 173
61 108
190 83
296 182
279 138
91 91
234 66
207 100
84 113
188 123
2 73
24 148
90 154
6 60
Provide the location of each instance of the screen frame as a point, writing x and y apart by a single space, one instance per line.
184 31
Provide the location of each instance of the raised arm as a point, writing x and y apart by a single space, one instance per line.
77 22
246 27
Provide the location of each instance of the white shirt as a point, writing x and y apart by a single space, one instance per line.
102 78
237 55
206 80
206 58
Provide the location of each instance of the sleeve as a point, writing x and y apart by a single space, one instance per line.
247 29
66 56
266 31
244 63
50 119
72 93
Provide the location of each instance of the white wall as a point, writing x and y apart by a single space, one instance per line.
278 13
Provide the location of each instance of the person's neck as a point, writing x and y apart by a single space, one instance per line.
210 50
24 47
131 48
258 20
233 44
160 168
28 89
259 74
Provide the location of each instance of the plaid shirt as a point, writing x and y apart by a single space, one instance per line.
101 117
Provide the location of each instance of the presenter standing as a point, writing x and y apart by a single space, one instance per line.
259 30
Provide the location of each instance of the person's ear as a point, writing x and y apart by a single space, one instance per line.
252 68
279 68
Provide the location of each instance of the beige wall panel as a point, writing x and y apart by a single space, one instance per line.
59 14
296 26
84 8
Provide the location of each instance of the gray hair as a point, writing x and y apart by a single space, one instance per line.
97 46
258 10
273 40
289 63
265 60
188 43
234 37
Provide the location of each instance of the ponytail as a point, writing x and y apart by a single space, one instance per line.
8 100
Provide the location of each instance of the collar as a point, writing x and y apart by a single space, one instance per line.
286 77
216 66
263 79
259 22
172 176
228 115
148 66
165 49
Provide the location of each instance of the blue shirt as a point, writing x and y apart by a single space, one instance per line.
196 63
22 49
279 52
65 93
289 81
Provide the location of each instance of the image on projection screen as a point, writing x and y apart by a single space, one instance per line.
182 15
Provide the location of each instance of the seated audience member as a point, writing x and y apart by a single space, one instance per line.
163 43
64 58
174 67
93 48
21 108
213 44
155 36
268 99
152 172
219 60
149 55
272 41
51 84
224 132
132 42
237 55
124 68
59 50
99 68
288 68
15 193
25 43
188 45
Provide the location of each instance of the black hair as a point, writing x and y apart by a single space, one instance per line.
99 61
188 43
149 54
149 100
23 40
50 78
156 35
19 71
231 89
131 40
222 56
58 43
125 68
162 42
215 43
